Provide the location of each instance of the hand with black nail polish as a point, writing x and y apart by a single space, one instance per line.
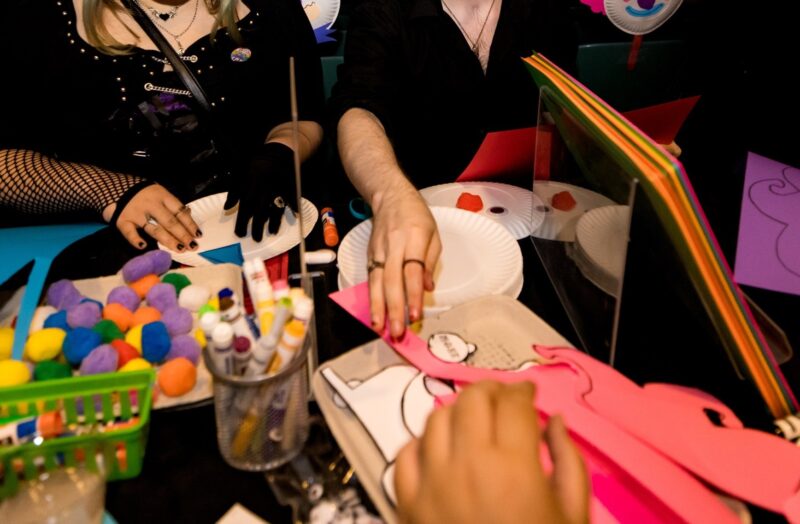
263 189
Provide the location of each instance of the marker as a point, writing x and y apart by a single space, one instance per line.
46 425
291 340
241 354
329 232
222 351
280 289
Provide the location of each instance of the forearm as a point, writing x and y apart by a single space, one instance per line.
31 182
309 137
368 158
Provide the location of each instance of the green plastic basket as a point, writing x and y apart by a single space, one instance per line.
81 400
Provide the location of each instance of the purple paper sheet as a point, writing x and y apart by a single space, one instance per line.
768 251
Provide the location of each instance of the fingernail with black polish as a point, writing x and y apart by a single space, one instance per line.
198 234
180 247
192 244
142 245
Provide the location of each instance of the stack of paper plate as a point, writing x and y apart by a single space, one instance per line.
601 243
559 224
479 257
217 226
517 209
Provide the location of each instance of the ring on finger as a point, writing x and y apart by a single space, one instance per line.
183 209
375 264
414 261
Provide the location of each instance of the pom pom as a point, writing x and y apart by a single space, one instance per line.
58 320
39 316
160 260
162 297
178 280
117 313
563 201
45 344
78 343
51 370
125 352
134 337
200 337
143 285
103 359
193 297
63 294
125 296
14 373
155 342
6 342
136 365
86 314
145 315
185 346
207 308
178 321
108 331
177 377
136 268
92 301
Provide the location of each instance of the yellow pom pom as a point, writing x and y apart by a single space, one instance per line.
214 302
6 341
134 337
13 373
136 364
201 338
44 344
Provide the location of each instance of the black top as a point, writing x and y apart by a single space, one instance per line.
407 62
62 97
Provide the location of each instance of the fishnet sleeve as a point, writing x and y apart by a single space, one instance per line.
34 183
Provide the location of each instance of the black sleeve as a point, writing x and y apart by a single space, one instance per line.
367 78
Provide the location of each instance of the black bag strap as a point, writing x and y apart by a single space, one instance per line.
184 73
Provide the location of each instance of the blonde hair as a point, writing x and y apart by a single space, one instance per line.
98 36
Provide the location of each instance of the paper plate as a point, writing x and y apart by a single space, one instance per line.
217 226
601 240
557 224
511 206
479 257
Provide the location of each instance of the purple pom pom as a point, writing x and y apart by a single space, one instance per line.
185 346
63 294
162 297
125 296
86 314
178 320
160 259
136 268
103 359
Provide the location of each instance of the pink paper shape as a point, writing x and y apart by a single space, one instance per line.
768 251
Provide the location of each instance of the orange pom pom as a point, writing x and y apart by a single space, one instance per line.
563 201
469 202
143 285
119 315
177 377
145 315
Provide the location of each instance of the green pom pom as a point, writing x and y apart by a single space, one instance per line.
50 370
177 280
206 308
108 331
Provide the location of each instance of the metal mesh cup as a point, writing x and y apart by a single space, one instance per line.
262 422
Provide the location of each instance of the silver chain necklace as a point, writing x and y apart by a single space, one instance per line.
476 44
166 16
176 36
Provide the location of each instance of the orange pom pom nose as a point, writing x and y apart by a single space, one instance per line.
469 202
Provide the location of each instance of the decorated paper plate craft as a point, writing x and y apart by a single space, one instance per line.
218 225
562 205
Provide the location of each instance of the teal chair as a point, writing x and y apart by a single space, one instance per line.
330 65
660 73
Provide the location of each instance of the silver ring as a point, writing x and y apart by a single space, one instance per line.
375 264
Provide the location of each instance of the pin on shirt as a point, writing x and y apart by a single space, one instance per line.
241 54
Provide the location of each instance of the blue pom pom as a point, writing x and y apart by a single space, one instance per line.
155 342
80 342
58 320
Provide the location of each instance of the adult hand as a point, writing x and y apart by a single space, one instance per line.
402 254
263 190
478 461
154 210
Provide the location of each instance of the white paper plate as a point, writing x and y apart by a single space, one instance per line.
479 257
601 241
217 226
511 206
557 224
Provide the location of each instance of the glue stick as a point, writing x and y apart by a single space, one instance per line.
329 231
46 425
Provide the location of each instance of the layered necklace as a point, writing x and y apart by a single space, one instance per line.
475 45
159 18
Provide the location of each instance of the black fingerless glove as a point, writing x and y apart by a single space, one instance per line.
263 189
125 199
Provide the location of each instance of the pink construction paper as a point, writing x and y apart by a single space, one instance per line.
768 251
